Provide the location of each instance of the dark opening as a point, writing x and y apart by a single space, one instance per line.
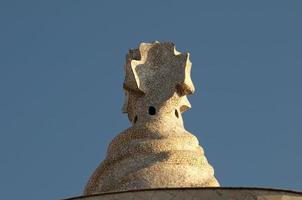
152 110
135 119
176 113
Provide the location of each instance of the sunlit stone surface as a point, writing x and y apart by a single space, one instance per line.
156 151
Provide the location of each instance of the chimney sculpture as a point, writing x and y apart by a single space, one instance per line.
156 158
156 151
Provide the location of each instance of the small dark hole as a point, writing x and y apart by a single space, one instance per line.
176 113
152 110
135 119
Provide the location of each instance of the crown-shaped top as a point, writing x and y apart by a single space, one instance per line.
157 71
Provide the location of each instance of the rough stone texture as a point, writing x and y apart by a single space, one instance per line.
157 151
199 194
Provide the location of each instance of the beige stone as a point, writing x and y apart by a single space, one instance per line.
156 151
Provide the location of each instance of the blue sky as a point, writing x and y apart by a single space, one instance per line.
61 75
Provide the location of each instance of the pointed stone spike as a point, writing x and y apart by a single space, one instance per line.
188 81
184 104
130 79
186 86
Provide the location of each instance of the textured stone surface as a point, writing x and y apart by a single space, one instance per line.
157 151
199 194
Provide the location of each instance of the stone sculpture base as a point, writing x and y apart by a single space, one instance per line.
198 194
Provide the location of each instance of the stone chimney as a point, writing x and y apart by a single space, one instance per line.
156 151
156 158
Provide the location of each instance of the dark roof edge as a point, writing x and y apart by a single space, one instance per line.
194 188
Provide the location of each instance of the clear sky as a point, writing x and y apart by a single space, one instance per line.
61 75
